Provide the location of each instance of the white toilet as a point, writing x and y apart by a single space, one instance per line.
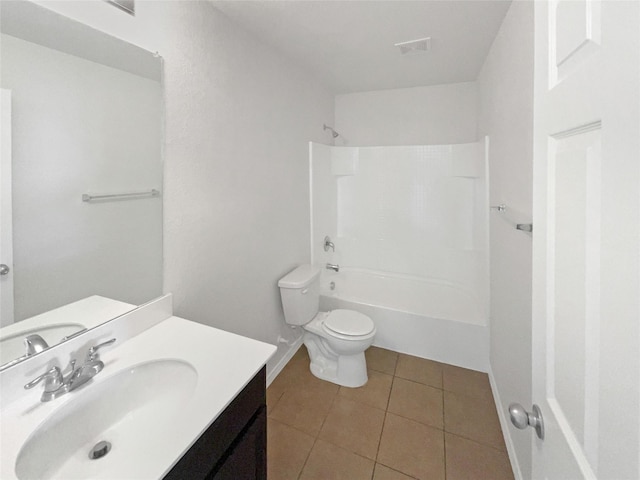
336 340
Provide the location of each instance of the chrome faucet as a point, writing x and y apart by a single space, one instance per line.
34 343
91 367
56 383
331 266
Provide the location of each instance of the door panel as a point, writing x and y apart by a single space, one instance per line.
573 321
586 267
574 35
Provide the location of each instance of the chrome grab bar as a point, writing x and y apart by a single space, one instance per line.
117 196
524 227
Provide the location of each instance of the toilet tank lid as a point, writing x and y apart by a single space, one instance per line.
300 277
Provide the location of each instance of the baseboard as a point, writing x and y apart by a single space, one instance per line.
277 368
505 424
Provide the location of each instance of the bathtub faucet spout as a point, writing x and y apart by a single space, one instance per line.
331 266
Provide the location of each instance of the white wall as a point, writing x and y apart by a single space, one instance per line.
238 120
432 115
402 209
81 127
324 202
505 88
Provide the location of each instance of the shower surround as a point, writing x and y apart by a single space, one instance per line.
409 225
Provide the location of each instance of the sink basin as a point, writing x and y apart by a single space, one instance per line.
127 410
160 390
12 347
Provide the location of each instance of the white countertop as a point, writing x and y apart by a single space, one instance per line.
224 363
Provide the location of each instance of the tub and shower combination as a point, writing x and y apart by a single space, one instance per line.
408 228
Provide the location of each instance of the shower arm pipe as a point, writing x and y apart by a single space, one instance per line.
334 134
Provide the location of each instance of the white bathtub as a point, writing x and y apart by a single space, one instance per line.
422 317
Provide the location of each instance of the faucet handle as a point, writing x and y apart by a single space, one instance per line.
53 380
328 244
71 368
93 351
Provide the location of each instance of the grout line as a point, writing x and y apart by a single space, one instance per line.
444 435
317 436
474 440
315 440
500 449
478 443
444 439
333 400
421 383
444 446
384 421
275 404
396 470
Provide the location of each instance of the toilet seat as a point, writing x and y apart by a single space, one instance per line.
347 324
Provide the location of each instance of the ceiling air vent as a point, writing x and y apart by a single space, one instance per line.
413 47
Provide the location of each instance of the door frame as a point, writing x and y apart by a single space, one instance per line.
6 226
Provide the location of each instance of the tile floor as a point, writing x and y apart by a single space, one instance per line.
414 419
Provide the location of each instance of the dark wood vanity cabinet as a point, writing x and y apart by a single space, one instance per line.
234 447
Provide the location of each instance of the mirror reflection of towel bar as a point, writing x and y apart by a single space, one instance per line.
116 196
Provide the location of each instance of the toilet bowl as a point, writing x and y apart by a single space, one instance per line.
337 356
336 340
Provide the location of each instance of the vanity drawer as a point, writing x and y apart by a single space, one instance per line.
235 440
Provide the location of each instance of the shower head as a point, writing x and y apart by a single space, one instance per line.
334 134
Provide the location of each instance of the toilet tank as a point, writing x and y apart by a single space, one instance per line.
300 293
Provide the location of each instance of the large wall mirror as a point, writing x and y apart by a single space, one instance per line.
82 241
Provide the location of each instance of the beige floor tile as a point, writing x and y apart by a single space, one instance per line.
468 460
466 382
381 360
412 448
301 356
291 376
305 408
385 473
287 450
297 374
375 393
416 401
419 370
329 462
273 396
473 418
349 421
354 426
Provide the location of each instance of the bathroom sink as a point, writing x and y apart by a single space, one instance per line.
159 391
128 410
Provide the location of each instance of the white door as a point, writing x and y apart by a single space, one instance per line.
586 267
6 241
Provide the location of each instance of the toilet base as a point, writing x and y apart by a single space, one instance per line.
344 370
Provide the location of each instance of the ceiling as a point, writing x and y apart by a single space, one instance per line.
349 45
